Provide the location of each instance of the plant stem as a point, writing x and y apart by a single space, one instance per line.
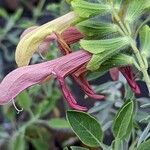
141 62
117 144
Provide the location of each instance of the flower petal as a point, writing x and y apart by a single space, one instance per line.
127 73
24 77
30 42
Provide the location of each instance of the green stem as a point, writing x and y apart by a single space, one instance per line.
141 62
117 144
143 67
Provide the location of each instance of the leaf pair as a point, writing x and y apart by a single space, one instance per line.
103 49
93 27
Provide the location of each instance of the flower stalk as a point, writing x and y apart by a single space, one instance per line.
141 63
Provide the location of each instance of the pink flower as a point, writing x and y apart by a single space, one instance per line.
24 77
128 74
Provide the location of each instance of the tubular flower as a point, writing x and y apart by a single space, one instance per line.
38 39
64 40
30 42
24 77
128 74
71 36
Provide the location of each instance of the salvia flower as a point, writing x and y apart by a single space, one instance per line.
30 42
24 77
128 74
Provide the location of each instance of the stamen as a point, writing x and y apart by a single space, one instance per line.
18 110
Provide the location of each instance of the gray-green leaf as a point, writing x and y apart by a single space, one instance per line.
144 40
135 9
86 9
86 128
123 120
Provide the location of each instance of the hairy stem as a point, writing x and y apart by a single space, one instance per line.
141 62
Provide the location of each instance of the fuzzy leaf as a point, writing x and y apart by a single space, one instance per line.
86 128
119 60
107 45
145 40
93 27
103 50
86 9
122 122
135 9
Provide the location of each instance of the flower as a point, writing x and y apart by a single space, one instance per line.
30 42
24 77
128 74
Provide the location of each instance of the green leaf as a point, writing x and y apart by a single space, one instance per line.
100 46
103 50
24 100
86 9
58 123
86 128
115 61
144 40
122 121
144 146
93 27
3 13
135 9
17 142
78 148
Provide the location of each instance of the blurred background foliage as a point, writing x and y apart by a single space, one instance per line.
42 125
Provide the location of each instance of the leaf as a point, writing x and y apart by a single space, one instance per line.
3 13
100 46
144 146
17 142
86 9
86 128
78 148
144 135
58 123
24 100
122 120
144 35
93 27
135 9
115 61
103 50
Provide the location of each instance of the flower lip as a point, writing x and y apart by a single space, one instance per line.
24 77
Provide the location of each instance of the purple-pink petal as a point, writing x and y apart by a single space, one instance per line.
24 77
127 73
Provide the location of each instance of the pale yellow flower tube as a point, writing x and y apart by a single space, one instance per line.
30 42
